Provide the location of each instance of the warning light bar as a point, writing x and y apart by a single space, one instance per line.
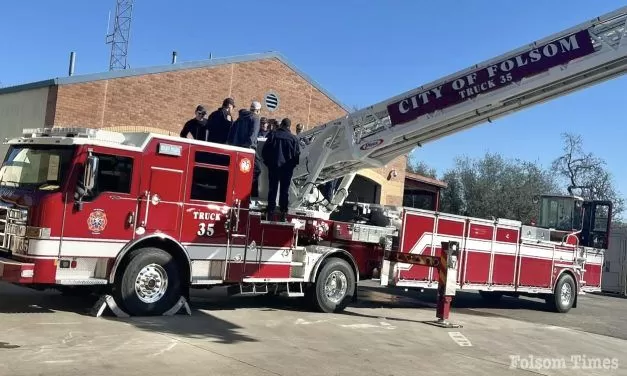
90 133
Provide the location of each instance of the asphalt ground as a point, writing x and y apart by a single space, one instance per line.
386 332
603 314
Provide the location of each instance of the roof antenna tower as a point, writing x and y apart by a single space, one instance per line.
119 38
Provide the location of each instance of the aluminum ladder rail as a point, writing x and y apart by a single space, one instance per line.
376 135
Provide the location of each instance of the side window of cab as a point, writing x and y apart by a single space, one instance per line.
210 177
114 176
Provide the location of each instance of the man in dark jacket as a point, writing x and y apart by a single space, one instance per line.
245 130
197 126
281 153
220 122
263 127
244 133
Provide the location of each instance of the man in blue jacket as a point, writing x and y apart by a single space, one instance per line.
281 153
244 133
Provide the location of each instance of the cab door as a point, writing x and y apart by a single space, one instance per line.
161 188
102 222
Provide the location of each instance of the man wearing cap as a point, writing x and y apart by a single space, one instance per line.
220 122
197 126
281 153
244 133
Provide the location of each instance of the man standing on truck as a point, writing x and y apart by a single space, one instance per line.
220 122
197 126
281 153
263 127
244 133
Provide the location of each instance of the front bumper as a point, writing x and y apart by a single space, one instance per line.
15 271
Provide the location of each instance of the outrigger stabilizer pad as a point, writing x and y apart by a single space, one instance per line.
443 324
108 301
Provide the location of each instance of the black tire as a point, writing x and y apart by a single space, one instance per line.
564 294
160 266
342 272
491 296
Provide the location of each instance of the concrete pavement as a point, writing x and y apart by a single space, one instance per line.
381 335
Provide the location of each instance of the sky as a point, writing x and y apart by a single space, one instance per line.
361 51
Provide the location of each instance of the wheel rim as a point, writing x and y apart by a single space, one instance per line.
335 286
566 294
151 283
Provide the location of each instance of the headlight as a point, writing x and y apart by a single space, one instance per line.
18 214
37 232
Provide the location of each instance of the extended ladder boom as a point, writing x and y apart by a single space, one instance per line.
573 59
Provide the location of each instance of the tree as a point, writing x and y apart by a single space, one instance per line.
495 187
452 197
421 168
585 174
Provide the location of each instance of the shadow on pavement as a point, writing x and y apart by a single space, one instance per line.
610 294
464 301
201 325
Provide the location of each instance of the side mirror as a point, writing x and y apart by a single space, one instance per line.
91 169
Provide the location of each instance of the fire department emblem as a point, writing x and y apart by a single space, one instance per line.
245 165
97 221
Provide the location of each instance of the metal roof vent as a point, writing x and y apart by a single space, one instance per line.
272 101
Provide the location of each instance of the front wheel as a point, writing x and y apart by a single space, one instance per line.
334 287
149 284
564 295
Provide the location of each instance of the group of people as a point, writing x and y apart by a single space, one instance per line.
280 153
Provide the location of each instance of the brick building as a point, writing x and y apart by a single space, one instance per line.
422 192
161 99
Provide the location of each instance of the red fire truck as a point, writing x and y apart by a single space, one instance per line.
146 217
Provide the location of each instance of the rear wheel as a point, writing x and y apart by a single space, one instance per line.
334 287
149 284
564 295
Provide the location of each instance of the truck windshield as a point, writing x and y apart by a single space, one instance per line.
35 167
560 213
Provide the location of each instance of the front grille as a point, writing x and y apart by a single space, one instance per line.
13 229
3 225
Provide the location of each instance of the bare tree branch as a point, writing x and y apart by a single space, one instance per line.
586 173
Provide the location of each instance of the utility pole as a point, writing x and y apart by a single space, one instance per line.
119 38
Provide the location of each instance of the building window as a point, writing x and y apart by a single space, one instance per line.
209 184
272 101
414 198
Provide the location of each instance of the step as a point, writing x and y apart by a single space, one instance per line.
82 281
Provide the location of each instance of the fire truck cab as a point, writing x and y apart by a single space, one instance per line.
149 216
588 221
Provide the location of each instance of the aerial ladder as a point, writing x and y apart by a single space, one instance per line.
573 59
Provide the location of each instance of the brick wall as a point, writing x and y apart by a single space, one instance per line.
165 101
391 190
